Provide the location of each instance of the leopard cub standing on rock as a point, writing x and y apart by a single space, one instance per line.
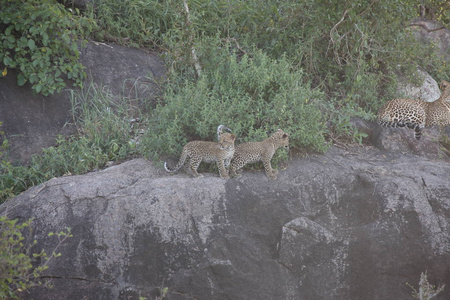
198 151
253 152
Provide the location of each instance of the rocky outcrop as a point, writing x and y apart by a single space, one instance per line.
32 122
350 224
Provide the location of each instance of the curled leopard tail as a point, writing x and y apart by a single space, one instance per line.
414 126
220 129
417 129
178 165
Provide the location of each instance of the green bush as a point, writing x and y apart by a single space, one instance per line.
105 133
135 22
40 38
18 269
254 96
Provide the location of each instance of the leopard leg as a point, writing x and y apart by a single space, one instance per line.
235 166
222 171
193 166
271 173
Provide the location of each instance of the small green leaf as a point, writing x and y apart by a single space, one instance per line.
21 79
31 44
7 61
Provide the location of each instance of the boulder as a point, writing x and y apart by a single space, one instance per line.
433 144
427 91
359 223
31 122
432 32
428 32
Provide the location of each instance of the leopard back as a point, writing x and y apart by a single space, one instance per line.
404 113
252 152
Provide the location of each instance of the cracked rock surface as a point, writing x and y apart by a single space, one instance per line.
350 224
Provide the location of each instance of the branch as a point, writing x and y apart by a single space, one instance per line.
197 65
425 27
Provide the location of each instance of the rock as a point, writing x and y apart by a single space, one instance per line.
31 122
128 72
428 90
356 224
434 143
428 32
432 32
81 3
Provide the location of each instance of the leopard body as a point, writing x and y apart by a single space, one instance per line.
197 151
253 152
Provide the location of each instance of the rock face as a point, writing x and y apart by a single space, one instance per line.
32 122
356 224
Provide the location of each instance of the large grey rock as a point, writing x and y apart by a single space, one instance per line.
427 90
428 32
356 224
433 144
31 122
432 32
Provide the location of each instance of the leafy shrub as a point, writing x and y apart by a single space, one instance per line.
104 134
40 39
17 272
135 22
254 96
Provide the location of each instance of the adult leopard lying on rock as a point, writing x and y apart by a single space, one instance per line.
253 152
417 114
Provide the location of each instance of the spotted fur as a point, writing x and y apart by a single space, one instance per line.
417 114
198 151
438 112
253 152
404 112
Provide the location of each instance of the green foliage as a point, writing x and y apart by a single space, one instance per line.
254 96
104 134
18 269
135 22
426 291
435 10
351 50
40 39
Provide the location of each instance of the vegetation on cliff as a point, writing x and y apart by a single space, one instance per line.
303 66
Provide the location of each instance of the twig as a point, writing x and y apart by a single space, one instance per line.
197 65
425 27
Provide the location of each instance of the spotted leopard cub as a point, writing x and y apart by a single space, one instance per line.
198 151
253 152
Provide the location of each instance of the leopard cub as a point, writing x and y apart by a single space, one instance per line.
253 152
198 151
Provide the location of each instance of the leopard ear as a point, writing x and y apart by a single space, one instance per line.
285 136
233 137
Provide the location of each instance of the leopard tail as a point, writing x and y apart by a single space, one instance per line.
178 165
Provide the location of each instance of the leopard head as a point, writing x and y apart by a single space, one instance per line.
445 90
226 141
281 139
